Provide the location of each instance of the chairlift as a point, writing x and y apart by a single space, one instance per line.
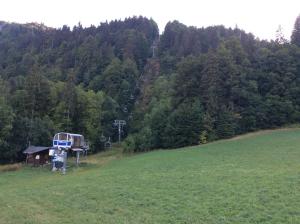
62 142
69 141
107 144
102 138
130 117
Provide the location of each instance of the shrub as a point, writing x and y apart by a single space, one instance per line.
203 137
129 144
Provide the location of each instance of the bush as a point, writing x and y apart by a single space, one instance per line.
203 137
129 144
139 142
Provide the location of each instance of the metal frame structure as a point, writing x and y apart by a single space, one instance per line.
119 124
62 142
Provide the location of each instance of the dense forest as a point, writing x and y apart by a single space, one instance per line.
183 87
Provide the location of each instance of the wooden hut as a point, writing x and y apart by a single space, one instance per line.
37 155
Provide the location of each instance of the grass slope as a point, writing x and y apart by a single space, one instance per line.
253 179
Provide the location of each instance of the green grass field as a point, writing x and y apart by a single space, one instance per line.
250 179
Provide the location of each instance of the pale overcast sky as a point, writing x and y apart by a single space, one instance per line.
261 17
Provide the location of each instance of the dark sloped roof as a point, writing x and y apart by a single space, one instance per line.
34 149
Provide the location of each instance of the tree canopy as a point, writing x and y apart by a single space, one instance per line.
183 87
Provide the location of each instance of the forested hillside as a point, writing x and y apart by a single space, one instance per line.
186 86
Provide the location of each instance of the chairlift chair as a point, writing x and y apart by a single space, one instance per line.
66 141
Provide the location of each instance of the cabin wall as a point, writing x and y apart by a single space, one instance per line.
44 158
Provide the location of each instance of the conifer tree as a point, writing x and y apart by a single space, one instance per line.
295 38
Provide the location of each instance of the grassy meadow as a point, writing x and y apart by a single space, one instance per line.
253 178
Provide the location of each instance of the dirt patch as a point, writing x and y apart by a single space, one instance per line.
10 167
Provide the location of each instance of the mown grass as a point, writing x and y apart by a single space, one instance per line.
251 179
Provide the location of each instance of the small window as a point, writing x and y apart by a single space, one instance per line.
77 141
63 136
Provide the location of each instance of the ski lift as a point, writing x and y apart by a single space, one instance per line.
107 144
125 110
130 117
102 138
62 142
69 141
